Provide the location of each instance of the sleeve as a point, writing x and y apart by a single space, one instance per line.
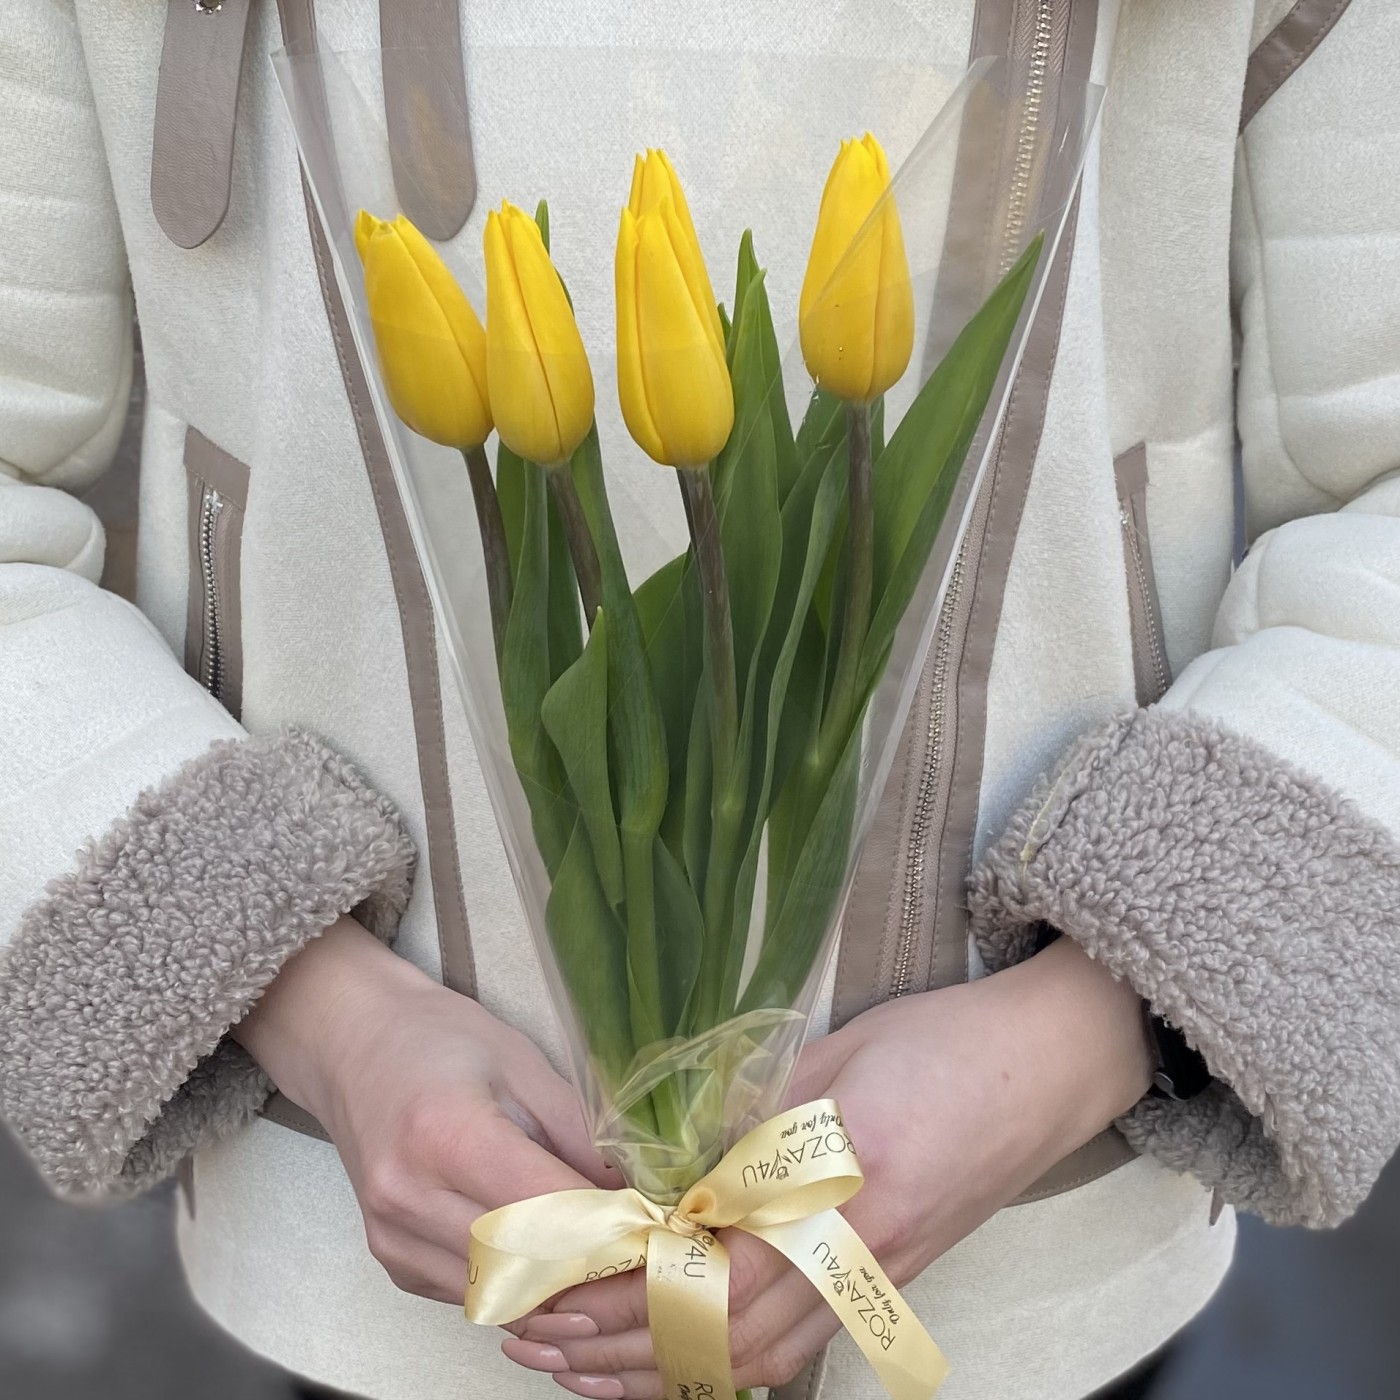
1234 852
157 865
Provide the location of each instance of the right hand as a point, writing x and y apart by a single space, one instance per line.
439 1111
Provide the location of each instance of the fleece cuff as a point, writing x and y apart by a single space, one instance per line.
119 986
1256 910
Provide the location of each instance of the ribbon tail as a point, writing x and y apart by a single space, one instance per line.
525 1253
839 1263
688 1309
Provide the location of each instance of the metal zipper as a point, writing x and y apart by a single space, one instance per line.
1149 641
934 791
211 664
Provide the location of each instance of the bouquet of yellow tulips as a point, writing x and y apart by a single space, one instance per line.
684 761
678 740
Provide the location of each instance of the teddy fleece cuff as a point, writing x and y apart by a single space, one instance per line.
120 985
1256 910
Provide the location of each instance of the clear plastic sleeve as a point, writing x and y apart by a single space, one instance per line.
685 954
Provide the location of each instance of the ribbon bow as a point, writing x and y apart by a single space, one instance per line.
782 1182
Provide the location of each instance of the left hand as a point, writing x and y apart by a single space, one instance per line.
957 1100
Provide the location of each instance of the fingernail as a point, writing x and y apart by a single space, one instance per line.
535 1355
560 1327
592 1387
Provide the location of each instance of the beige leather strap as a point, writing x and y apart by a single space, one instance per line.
1283 50
934 859
282 1111
196 112
425 104
410 587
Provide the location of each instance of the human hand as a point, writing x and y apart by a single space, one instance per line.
439 1110
957 1100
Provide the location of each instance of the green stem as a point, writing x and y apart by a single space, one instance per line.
860 563
493 542
727 803
699 494
581 550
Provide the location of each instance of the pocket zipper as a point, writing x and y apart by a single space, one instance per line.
211 661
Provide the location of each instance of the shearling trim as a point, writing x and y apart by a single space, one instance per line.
1255 909
118 989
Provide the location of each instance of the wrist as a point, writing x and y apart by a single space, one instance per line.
1081 1035
305 1024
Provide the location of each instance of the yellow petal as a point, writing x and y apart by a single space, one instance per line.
655 183
686 380
365 225
426 375
856 308
556 333
631 388
894 311
462 320
541 384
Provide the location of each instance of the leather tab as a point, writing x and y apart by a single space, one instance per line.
196 110
281 1110
425 104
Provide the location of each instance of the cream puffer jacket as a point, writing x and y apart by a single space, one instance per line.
191 790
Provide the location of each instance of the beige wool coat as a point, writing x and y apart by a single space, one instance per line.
1192 769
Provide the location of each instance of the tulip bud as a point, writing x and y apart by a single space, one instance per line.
432 349
672 376
856 313
541 385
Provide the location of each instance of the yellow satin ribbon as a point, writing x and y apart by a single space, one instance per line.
782 1183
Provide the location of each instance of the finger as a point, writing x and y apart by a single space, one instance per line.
630 1385
608 1355
554 1327
764 1290
614 1304
786 1357
771 1319
534 1356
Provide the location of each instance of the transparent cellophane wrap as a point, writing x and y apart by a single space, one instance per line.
978 178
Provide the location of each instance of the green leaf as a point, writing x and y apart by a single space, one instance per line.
542 220
794 937
678 914
510 490
525 680
668 606
751 334
575 715
919 468
695 805
748 269
636 730
565 613
795 682
590 950
747 485
636 747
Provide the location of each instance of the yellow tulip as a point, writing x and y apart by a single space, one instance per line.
541 385
856 313
672 377
432 348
